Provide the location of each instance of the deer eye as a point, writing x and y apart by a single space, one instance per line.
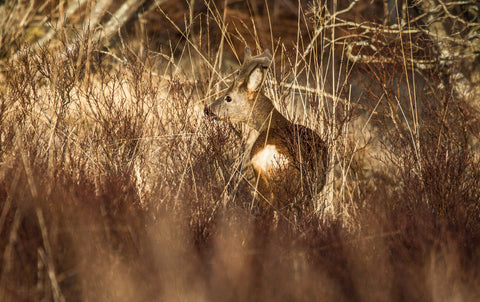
228 99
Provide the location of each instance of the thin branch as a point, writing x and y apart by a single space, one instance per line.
121 16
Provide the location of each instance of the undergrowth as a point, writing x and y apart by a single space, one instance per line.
113 186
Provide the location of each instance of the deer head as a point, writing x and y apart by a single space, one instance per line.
243 100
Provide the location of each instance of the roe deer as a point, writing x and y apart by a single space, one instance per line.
288 159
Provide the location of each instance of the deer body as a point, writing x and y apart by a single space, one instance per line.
288 159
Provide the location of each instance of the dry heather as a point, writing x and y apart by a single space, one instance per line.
114 187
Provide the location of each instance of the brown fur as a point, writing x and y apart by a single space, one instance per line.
305 172
289 160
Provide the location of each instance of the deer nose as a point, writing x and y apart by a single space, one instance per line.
208 112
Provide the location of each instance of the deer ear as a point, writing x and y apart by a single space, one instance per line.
256 77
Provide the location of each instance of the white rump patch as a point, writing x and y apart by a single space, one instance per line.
269 158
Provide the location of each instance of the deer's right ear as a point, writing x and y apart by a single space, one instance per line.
256 78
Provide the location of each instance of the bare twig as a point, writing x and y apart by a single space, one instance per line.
120 17
51 33
8 252
48 258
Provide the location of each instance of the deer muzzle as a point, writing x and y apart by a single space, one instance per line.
209 112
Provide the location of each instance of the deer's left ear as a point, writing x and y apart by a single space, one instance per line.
256 78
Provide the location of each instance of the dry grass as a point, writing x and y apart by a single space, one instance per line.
113 187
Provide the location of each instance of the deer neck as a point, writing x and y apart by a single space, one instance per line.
264 115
